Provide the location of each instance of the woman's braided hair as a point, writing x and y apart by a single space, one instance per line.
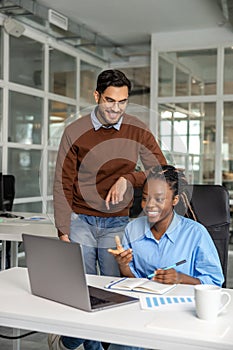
177 182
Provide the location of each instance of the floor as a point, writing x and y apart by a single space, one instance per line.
38 341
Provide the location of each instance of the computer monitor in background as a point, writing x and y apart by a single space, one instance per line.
7 194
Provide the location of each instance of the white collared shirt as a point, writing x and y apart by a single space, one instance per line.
97 125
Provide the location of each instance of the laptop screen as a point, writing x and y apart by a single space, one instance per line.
57 272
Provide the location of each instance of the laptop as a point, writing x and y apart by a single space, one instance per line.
57 272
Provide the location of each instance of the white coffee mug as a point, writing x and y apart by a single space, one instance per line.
210 300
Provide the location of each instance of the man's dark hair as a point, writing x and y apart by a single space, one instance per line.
112 77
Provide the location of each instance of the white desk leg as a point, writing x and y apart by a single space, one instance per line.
3 256
14 262
16 342
14 254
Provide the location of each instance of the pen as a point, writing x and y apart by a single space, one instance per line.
112 283
168 267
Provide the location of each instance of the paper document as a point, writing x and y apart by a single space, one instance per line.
154 302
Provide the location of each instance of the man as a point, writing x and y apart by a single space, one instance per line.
94 179
95 172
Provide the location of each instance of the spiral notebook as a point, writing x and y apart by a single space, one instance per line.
142 285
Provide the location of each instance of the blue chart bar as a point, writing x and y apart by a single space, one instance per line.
148 301
162 301
153 302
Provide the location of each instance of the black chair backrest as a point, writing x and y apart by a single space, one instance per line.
8 191
210 204
136 208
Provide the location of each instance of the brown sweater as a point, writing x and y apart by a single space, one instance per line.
89 162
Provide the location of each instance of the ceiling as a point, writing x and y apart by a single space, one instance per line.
126 25
133 21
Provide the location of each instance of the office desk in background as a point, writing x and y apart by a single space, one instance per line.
12 229
128 324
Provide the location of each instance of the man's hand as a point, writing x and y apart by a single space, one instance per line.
116 192
64 238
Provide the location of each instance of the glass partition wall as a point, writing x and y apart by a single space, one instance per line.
187 134
227 144
186 96
44 85
192 91
1 53
227 147
186 122
1 97
39 92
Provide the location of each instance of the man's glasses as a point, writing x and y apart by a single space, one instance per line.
111 103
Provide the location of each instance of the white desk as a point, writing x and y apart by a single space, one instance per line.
12 229
125 324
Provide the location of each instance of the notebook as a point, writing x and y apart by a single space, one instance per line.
140 285
56 272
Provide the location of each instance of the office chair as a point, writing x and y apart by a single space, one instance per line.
8 195
136 209
210 206
8 192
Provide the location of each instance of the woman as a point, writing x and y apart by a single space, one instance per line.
162 238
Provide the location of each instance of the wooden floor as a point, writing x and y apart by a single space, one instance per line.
38 341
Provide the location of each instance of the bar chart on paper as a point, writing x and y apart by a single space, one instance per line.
149 302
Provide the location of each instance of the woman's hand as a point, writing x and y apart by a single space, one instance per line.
119 249
122 256
170 276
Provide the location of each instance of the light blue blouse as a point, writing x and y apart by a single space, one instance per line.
184 239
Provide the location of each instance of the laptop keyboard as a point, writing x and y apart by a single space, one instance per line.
97 301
